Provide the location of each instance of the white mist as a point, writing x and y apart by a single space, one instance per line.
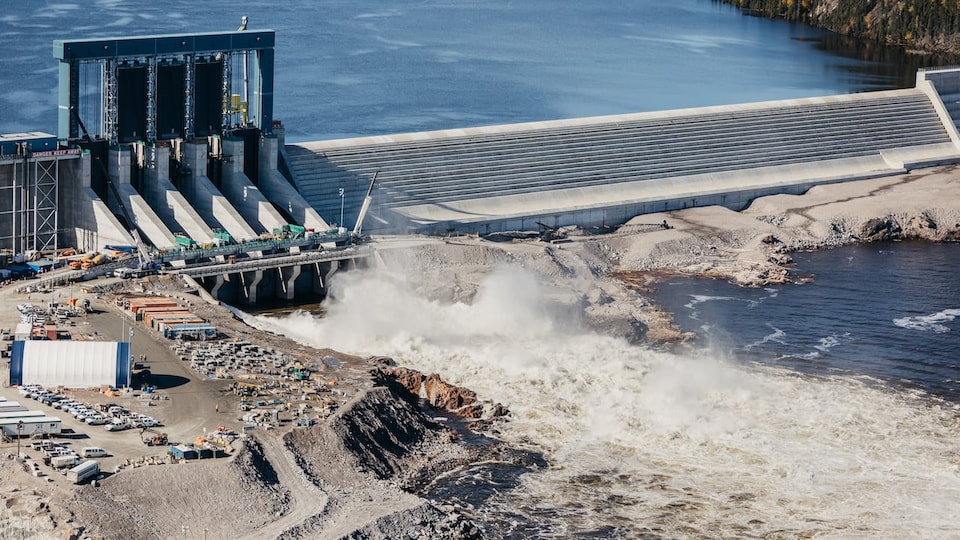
650 442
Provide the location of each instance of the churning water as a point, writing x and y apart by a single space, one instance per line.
646 443
794 424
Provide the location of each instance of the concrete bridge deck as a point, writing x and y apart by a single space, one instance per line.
602 171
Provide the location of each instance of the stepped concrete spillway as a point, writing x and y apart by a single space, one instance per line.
603 171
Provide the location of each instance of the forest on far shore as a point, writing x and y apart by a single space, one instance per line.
921 25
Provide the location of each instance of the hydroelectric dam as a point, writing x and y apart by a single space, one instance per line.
168 145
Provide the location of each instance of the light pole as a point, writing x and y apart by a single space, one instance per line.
341 208
19 429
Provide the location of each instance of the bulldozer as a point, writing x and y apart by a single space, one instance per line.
152 437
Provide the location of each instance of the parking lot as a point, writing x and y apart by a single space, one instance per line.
180 404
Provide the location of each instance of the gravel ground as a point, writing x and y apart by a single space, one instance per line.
352 475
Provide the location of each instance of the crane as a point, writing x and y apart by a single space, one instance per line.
364 207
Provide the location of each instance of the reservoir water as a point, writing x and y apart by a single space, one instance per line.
346 68
888 311
826 409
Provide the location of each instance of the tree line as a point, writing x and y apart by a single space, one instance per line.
924 25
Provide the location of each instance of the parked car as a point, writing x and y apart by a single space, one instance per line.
93 451
64 404
51 399
146 421
116 411
117 426
96 419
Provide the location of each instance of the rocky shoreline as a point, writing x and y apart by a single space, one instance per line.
367 471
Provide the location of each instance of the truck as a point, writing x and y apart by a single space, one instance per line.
292 231
152 437
84 471
134 273
222 237
184 241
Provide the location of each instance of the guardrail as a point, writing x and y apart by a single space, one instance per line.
273 261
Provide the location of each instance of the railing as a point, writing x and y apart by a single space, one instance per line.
275 261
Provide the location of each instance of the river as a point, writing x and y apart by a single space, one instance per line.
814 411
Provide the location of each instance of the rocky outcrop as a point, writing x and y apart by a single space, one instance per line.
379 431
440 394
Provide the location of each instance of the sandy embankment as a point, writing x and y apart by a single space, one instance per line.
346 475
604 276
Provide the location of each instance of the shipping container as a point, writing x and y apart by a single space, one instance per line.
183 451
59 462
147 315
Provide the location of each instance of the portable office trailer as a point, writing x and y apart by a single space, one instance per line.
163 325
84 471
20 414
11 406
190 331
46 425
183 451
23 332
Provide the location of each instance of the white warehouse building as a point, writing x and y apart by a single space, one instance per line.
71 364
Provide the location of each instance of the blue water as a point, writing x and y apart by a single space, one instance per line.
641 444
888 311
373 67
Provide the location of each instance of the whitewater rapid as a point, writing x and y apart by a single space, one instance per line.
644 442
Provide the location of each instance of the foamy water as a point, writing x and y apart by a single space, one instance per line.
646 442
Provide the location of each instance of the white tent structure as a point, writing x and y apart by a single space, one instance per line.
72 364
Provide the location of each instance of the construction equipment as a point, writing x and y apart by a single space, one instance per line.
364 207
246 389
550 234
153 437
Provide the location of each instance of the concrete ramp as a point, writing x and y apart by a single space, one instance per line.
179 214
151 226
93 223
569 171
169 204
107 229
137 208
211 205
249 201
281 192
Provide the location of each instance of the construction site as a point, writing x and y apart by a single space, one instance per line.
169 195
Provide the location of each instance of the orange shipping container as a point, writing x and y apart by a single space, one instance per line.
153 320
144 311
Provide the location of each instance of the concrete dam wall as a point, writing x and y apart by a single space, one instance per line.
603 171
